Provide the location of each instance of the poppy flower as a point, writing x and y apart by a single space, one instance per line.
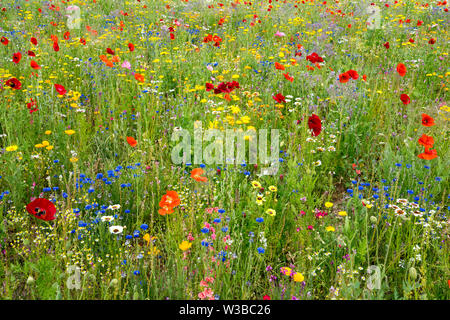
54 38
288 77
31 53
16 57
266 297
165 210
13 83
139 77
405 98
110 51
279 98
427 121
170 199
42 209
33 41
314 58
315 124
83 41
209 86
401 69
61 90
279 66
353 74
344 77
131 141
428 154
364 77
432 41
4 41
411 40
426 141
56 46
131 47
386 45
34 65
196 174
66 35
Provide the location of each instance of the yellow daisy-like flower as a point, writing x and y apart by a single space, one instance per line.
73 159
273 188
49 147
298 277
328 204
185 245
48 132
330 228
45 143
39 145
256 184
342 213
70 132
12 148
271 212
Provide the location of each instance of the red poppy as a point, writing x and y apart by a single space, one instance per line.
61 90
32 106
16 57
110 51
428 154
31 53
131 47
172 36
314 58
165 210
315 124
344 77
364 77
353 74
427 121
405 98
56 46
279 98
401 69
288 77
42 209
83 41
34 65
411 40
4 41
386 45
432 41
209 86
279 66
66 35
196 174
426 141
13 83
131 141
266 297
33 41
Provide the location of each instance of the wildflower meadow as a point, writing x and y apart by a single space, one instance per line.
224 150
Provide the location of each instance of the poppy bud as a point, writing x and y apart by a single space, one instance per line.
281 177
218 171
413 273
114 283
373 219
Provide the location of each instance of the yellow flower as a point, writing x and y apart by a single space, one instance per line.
39 145
185 245
273 188
70 132
48 132
256 184
328 204
271 212
73 159
342 213
12 148
45 143
298 277
49 147
330 228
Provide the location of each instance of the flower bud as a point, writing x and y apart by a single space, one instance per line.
413 273
373 219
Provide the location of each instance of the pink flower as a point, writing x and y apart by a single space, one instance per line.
126 65
310 227
280 34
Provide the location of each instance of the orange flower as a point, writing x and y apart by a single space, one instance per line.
139 77
401 69
288 77
131 141
279 66
428 154
115 59
196 174
427 121
106 61
165 210
426 141
170 200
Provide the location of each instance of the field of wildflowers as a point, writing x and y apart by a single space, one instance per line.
94 206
